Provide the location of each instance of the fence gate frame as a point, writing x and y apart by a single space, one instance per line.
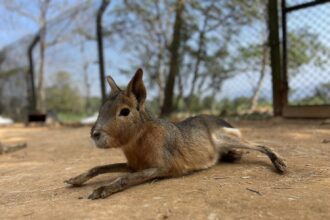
279 64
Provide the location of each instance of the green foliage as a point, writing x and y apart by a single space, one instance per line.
94 105
311 100
236 105
325 88
71 117
241 105
303 48
62 96
195 104
251 56
321 96
228 107
14 71
208 102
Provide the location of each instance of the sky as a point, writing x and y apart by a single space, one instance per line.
68 58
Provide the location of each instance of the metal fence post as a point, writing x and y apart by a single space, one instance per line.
99 35
31 87
275 57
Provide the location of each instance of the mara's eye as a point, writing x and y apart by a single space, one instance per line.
124 112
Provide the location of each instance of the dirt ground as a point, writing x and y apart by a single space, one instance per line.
31 180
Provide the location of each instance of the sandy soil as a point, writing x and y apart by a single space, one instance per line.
31 180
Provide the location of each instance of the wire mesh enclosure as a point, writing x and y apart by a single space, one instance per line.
306 53
61 55
14 85
224 64
223 55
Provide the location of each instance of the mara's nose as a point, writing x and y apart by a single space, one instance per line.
96 134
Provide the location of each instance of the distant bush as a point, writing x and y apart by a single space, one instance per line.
65 99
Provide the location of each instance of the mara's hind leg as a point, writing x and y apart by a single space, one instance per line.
230 144
230 156
276 160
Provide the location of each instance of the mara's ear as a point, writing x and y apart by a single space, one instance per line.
136 87
113 85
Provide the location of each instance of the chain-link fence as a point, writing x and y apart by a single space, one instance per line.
308 52
250 88
13 79
63 57
224 57
224 60
236 79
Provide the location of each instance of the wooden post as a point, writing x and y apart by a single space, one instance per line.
275 57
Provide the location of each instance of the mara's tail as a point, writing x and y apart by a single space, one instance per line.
231 144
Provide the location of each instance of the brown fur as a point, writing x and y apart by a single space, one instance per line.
158 148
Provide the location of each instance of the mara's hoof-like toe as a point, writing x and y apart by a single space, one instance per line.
279 165
276 160
100 193
73 182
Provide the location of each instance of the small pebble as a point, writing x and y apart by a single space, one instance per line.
245 177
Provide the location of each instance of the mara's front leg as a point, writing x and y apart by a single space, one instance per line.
111 168
124 182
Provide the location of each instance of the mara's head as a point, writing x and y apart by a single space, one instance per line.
121 115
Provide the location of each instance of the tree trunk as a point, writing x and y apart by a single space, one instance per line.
167 107
201 50
30 76
198 61
180 95
214 93
87 84
160 76
87 87
197 64
256 93
99 35
201 84
42 47
200 53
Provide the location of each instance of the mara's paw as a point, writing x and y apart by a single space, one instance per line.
280 165
75 181
100 193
